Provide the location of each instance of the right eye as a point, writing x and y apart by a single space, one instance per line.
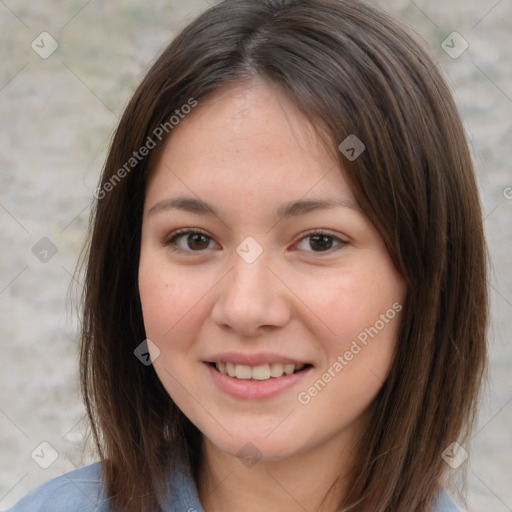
188 240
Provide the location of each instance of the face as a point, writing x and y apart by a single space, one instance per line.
271 301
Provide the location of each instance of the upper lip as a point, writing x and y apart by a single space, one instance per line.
254 359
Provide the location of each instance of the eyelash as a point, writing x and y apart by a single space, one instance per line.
171 240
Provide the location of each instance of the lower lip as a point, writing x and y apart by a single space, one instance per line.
255 389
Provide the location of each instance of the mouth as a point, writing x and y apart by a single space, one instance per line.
262 372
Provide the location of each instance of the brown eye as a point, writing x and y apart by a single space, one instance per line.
189 241
197 241
319 242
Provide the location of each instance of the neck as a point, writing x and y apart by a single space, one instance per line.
310 480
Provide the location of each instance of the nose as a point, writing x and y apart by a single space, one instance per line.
251 300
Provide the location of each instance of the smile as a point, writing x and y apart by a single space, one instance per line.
261 372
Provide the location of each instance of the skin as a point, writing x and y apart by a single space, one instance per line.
246 150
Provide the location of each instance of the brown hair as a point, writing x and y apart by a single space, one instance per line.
351 70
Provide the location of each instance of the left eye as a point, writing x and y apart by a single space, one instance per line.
319 242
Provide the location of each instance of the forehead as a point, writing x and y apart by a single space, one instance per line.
247 141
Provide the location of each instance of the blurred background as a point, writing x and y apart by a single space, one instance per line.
66 71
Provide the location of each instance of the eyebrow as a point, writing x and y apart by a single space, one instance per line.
290 209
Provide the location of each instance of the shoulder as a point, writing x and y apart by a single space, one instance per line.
80 490
444 503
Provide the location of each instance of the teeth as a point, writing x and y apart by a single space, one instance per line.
261 372
242 371
230 368
289 369
276 369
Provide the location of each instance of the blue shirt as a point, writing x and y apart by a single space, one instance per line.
81 490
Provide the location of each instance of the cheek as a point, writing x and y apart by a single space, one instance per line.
360 313
167 298
359 354
348 302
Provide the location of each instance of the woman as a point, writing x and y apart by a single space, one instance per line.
285 303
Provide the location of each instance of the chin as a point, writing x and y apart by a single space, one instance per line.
254 446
